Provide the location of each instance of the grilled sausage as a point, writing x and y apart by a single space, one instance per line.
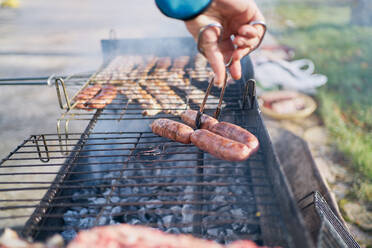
239 134
220 147
168 98
85 95
137 236
206 121
163 63
105 97
134 92
172 130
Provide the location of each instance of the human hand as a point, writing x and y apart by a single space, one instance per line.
234 16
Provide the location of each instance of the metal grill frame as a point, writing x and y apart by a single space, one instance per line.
298 235
289 213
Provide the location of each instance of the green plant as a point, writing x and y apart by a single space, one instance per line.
321 32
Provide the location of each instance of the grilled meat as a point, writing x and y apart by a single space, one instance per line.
104 97
134 92
234 132
220 147
85 95
128 236
206 121
172 130
168 99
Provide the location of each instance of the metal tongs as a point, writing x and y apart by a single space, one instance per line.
218 109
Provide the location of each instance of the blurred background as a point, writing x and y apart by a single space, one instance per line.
40 38
337 36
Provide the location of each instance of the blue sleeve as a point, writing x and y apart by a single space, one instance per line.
182 9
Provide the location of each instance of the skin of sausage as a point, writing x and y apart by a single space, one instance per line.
189 117
105 97
172 130
239 134
85 95
220 147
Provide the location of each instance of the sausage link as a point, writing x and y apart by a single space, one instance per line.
172 130
105 97
189 117
85 95
220 147
239 134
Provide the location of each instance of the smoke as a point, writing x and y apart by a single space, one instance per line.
130 19
65 28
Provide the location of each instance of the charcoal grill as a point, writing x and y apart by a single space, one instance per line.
116 170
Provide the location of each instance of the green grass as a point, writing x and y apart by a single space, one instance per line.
343 53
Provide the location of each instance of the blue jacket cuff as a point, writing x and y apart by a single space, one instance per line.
182 9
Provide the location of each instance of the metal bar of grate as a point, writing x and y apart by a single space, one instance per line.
138 194
119 172
93 143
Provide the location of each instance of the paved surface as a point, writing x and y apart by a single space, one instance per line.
44 37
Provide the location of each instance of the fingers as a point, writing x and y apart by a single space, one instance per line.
215 59
239 53
243 42
214 55
236 69
248 31
247 39
249 35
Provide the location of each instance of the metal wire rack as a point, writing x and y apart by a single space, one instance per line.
117 171
134 160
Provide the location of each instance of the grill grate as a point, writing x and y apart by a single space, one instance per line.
157 168
69 181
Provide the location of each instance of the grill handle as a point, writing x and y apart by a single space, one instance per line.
42 80
22 81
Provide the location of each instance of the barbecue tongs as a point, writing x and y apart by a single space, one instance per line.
218 109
